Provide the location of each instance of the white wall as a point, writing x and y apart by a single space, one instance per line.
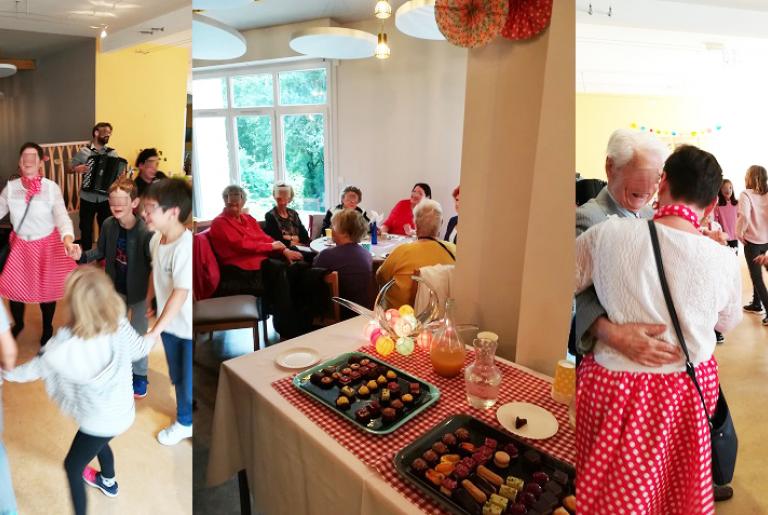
399 121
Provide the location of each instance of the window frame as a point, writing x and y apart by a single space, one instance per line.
276 113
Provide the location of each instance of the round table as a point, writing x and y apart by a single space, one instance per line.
379 251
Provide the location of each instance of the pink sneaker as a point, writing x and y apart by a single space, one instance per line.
93 477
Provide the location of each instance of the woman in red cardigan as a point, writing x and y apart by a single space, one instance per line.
241 245
400 219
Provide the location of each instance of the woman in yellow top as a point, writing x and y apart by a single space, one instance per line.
409 257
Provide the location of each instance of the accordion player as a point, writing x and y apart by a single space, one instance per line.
105 170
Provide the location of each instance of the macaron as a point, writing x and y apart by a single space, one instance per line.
501 459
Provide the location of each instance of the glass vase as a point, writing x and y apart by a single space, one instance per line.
483 377
447 352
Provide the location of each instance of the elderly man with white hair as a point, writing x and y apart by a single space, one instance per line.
633 165
427 250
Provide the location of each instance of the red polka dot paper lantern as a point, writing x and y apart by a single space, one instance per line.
527 18
471 23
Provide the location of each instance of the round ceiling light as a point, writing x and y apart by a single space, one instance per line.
416 18
219 4
6 70
334 43
215 40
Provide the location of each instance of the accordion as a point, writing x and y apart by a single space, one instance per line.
104 170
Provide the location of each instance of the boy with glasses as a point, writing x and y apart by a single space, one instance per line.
124 245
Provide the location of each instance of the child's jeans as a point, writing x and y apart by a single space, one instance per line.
7 499
178 352
138 312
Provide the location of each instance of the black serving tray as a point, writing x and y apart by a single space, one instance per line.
478 430
429 394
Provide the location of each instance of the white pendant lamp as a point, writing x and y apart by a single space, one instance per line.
215 40
382 10
6 70
219 4
333 43
416 18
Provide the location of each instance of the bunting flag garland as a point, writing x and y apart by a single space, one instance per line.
674 132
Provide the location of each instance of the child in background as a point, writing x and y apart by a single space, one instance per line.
124 244
7 362
167 205
86 367
726 212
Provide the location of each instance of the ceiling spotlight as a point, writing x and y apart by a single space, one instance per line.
382 10
103 33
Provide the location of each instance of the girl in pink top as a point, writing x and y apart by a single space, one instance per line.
726 211
752 231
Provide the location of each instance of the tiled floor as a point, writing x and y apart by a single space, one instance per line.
153 479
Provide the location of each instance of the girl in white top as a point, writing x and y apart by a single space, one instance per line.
642 437
87 368
42 248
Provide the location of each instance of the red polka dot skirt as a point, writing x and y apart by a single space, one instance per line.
642 441
36 270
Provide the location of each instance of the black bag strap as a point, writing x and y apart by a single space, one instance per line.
17 229
689 368
439 243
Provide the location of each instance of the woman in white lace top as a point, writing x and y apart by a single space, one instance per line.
642 438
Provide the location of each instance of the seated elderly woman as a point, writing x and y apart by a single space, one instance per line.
281 222
350 198
349 259
241 246
409 257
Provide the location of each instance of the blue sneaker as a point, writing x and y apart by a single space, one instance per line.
139 387
93 478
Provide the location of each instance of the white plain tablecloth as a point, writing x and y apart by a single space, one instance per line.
293 466
378 251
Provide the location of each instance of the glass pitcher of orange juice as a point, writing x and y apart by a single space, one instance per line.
447 352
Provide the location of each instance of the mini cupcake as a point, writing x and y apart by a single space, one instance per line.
315 378
363 415
353 359
394 389
326 382
419 466
348 391
364 362
440 448
355 376
388 414
448 439
375 409
429 456
385 397
407 399
381 380
415 389
329 370
397 404
346 371
372 385
391 375
462 434
342 402
363 392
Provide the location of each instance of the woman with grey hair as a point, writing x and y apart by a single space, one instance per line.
350 199
281 222
352 262
427 250
241 246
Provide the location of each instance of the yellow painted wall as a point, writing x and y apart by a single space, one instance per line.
142 92
740 142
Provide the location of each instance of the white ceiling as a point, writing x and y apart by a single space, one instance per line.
268 13
32 45
666 47
74 17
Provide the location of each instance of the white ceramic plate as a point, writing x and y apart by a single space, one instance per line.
298 357
541 423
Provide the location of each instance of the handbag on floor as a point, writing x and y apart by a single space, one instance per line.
725 444
6 250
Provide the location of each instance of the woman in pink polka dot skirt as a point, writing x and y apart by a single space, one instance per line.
642 437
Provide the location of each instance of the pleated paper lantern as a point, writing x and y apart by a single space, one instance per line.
471 23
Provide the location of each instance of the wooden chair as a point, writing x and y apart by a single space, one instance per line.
225 313
315 226
332 280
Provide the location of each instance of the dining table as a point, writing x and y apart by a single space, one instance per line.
384 246
295 455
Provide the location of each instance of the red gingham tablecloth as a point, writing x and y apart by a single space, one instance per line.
378 451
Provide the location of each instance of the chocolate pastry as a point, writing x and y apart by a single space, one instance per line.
385 397
335 376
534 488
381 380
373 371
520 422
375 409
490 443
517 509
354 366
462 434
541 478
372 385
415 389
526 498
561 477
391 375
466 501
394 389
329 370
344 380
419 465
326 382
512 450
348 391
363 370
355 376
440 448
407 399
389 415
547 502
448 486
555 488
363 415
429 456
364 362
346 371
342 402
532 460
461 471
363 392
315 378
448 438
397 404
353 359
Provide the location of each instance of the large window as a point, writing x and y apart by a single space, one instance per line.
257 126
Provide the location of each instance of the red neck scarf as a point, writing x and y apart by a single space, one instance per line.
32 185
677 210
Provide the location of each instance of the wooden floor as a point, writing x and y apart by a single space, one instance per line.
743 360
153 478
